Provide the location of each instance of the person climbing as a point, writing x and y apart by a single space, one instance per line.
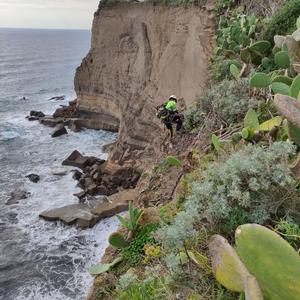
169 114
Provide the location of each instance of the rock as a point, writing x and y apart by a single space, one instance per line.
289 108
117 204
77 175
279 40
71 214
37 114
50 121
58 98
29 118
81 195
16 196
79 161
92 189
33 178
127 71
59 130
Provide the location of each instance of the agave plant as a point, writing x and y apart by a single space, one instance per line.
134 216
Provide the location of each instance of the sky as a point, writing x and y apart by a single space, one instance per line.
66 14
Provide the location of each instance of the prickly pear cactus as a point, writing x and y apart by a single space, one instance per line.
117 240
273 262
282 59
230 271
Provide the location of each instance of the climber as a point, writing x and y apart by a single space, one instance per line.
168 113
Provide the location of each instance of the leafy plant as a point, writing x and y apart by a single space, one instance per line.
102 268
134 217
117 240
290 231
216 142
173 161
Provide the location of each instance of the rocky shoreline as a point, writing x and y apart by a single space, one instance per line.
106 187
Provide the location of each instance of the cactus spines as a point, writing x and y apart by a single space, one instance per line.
295 88
260 80
117 240
230 271
273 262
282 59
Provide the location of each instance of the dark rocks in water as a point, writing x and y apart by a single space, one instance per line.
58 98
50 121
77 175
66 112
79 161
38 114
81 196
33 178
16 196
59 130
29 118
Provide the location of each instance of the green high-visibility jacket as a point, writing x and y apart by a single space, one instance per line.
171 105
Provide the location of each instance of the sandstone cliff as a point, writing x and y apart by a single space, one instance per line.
140 54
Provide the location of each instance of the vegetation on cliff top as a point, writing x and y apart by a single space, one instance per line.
244 177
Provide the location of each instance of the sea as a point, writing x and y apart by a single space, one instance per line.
39 259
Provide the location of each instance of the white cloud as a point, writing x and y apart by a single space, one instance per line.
47 13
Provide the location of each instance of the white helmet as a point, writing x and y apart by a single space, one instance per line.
173 97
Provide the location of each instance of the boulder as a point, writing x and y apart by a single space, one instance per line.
29 118
79 161
16 196
76 213
59 130
77 175
38 114
50 121
58 98
33 178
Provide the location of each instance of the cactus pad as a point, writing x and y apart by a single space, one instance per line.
117 240
261 46
284 79
295 88
268 257
282 59
280 88
260 80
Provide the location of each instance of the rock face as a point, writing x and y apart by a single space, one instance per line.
140 54
59 130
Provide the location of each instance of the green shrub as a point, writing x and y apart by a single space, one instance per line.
252 185
222 5
290 231
283 22
220 68
134 253
226 102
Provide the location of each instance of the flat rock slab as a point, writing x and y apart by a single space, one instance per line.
88 214
117 204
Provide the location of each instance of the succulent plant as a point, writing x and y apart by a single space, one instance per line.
173 161
230 271
284 79
270 124
260 80
102 268
295 88
260 46
280 88
117 240
282 59
273 262
235 71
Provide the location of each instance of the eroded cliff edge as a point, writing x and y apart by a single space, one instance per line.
140 54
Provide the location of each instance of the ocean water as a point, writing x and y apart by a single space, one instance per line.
40 259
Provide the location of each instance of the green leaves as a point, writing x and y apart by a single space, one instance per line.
235 71
134 217
117 240
102 268
251 119
216 142
260 80
298 23
280 88
295 88
270 124
282 59
173 161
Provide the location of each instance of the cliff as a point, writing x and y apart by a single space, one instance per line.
140 54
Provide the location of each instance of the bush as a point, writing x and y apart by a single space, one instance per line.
284 21
253 185
225 103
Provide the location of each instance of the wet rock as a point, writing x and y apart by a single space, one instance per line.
77 175
58 98
16 196
59 130
79 161
33 178
50 121
92 189
29 118
81 196
38 114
